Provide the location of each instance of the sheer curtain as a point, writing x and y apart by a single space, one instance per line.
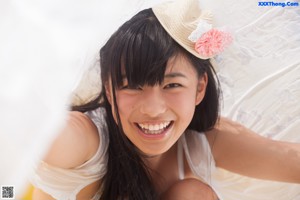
49 49
45 48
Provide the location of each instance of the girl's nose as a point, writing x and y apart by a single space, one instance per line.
153 103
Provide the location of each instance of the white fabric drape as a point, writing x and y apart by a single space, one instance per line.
260 78
47 45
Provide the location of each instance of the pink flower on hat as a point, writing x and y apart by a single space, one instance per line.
212 42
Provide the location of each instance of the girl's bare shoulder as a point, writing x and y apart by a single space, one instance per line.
76 143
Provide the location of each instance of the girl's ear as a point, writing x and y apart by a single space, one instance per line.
201 88
108 92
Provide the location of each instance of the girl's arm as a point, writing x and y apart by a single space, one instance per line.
74 145
240 150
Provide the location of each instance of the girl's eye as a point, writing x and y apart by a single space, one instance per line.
172 85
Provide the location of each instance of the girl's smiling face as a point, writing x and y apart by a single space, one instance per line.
154 117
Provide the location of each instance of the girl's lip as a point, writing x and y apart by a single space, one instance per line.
155 136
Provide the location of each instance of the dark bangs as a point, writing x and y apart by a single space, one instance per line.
141 53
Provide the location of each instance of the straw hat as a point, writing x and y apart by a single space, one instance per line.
192 27
186 24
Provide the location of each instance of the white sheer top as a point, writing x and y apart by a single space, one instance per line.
64 184
199 158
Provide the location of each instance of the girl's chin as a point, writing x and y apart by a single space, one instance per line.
149 152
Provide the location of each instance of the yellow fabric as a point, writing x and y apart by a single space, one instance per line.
28 193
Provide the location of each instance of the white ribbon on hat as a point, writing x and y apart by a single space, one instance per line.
202 27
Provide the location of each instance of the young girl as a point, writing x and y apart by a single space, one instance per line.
155 132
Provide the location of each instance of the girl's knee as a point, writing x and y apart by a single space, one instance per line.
189 189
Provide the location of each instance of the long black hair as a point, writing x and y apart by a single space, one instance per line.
142 48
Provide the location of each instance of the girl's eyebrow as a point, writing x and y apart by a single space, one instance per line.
174 75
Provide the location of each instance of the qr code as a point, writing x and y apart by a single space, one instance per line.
7 192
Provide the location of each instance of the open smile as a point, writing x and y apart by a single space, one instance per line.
154 128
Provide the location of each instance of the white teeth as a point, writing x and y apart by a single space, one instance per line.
154 128
151 127
161 126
